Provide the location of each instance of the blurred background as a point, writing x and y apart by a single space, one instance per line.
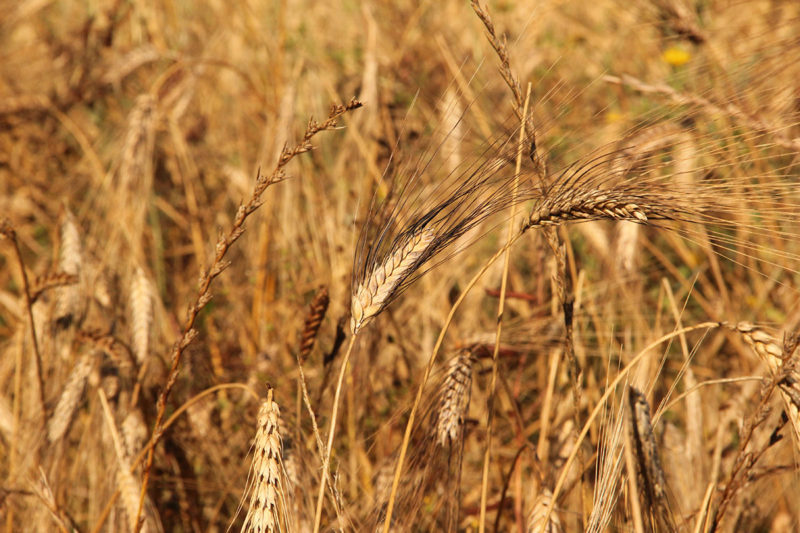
130 132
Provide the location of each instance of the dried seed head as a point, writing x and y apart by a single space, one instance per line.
455 399
375 293
769 349
536 520
648 462
70 397
141 307
266 475
70 262
313 321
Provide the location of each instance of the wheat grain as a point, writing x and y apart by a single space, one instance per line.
375 293
455 399
266 486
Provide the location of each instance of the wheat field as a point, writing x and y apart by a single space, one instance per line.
400 266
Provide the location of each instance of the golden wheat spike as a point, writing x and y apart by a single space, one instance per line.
266 484
374 293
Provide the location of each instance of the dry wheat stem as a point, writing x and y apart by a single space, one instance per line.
219 264
326 459
610 390
7 230
500 309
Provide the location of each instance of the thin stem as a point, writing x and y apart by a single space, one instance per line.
219 264
11 235
500 309
326 460
599 406
407 436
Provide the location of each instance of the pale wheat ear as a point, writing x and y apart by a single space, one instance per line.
376 291
266 481
455 395
70 262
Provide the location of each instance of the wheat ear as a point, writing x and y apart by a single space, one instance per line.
372 296
319 306
70 262
771 352
141 307
455 399
70 397
266 487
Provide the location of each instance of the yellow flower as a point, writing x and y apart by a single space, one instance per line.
613 116
676 56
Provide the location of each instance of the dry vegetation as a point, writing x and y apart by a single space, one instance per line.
188 261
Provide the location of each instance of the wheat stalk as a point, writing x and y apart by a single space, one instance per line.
648 462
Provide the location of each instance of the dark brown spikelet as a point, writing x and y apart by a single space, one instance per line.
651 475
316 312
